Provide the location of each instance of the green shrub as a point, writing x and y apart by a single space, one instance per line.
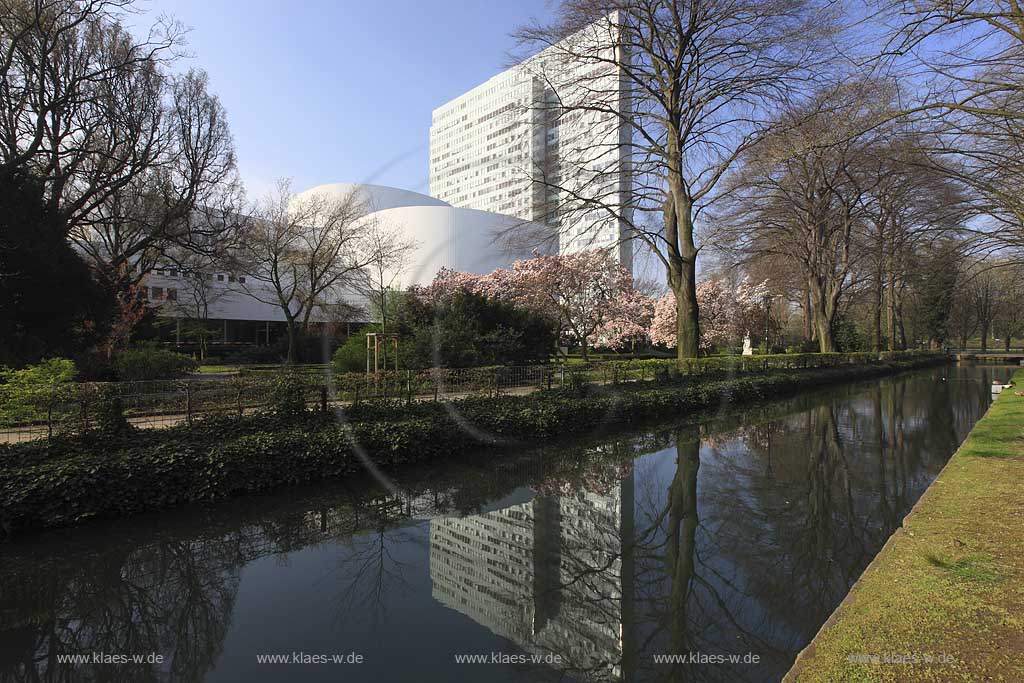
351 356
109 414
151 363
469 330
24 393
288 395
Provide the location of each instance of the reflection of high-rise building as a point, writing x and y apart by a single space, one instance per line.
550 574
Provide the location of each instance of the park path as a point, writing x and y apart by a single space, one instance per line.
34 432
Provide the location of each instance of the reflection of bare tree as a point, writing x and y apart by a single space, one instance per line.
681 542
370 569
173 598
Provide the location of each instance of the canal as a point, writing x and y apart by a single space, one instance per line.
708 550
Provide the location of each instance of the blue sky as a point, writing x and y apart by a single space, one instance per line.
324 91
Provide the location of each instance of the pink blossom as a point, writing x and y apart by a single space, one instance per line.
588 295
726 313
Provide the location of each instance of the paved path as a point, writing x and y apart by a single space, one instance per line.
33 432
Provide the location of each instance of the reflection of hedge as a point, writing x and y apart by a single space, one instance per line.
72 479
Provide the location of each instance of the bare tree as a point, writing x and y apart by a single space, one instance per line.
186 201
81 98
800 197
388 251
681 89
969 54
909 200
299 252
137 164
1009 322
198 292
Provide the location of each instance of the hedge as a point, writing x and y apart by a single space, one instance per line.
73 479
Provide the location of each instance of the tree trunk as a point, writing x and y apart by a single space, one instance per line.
823 315
808 327
825 342
292 351
687 326
984 337
682 264
1006 343
876 304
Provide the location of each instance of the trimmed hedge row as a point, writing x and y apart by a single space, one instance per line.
75 479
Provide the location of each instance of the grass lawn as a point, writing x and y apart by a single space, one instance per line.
949 585
213 369
305 368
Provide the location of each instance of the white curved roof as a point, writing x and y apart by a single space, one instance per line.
378 197
445 236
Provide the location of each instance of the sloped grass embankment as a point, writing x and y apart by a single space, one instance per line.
944 599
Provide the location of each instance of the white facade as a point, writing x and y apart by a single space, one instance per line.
519 144
444 236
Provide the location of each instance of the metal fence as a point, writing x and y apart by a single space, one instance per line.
49 410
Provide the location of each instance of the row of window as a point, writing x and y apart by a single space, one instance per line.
159 294
219 277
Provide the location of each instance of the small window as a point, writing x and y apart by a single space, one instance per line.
158 292
220 278
172 295
172 272
160 271
241 278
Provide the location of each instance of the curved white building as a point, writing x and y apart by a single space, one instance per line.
445 236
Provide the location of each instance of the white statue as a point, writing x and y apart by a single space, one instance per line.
748 350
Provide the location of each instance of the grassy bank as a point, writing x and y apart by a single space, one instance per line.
121 472
949 585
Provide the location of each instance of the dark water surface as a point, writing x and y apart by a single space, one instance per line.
734 538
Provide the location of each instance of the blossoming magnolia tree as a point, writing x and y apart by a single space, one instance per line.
588 295
446 284
726 313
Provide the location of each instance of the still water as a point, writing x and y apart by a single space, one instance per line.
727 542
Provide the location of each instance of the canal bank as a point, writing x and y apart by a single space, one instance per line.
123 471
613 552
944 599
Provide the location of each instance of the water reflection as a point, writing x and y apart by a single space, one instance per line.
735 539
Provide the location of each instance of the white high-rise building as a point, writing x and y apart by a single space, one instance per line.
520 144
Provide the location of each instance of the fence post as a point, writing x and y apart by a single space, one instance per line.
408 385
